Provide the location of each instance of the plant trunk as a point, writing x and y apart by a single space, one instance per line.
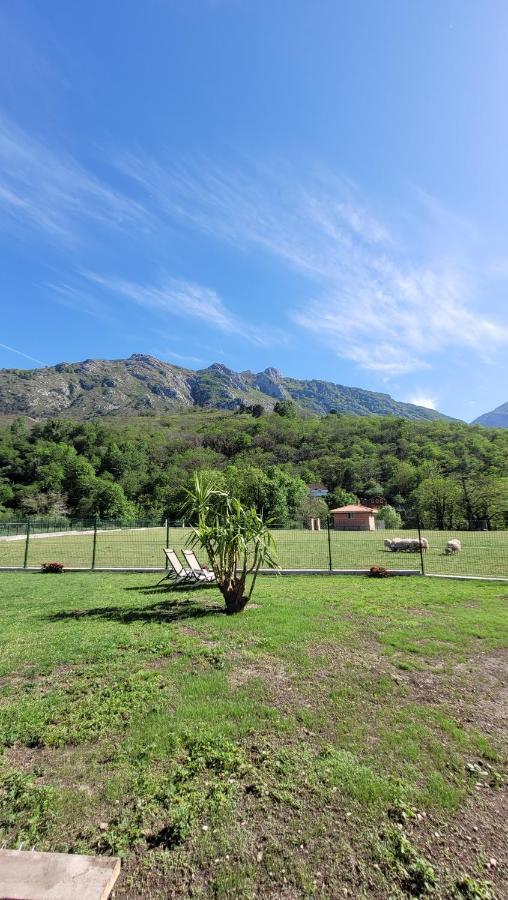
235 599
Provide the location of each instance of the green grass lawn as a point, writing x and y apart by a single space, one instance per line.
343 737
483 553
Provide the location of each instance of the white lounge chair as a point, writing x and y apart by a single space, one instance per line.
176 571
200 573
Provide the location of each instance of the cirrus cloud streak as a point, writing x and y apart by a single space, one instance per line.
368 297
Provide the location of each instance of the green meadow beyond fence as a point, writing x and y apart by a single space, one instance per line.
112 545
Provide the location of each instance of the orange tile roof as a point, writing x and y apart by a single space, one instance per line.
352 508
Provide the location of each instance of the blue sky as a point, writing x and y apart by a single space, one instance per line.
318 186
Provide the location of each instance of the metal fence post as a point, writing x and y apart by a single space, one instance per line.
167 542
420 544
330 565
27 542
94 547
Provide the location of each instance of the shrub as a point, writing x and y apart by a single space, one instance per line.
390 517
55 568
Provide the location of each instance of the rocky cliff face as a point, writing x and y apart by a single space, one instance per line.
141 384
498 418
270 382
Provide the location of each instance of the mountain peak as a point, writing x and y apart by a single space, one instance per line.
220 368
498 418
146 360
144 384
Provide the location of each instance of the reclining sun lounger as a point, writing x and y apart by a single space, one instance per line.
176 571
200 572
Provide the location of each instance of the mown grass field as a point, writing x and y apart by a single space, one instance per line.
342 737
483 553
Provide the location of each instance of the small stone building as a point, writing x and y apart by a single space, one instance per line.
353 518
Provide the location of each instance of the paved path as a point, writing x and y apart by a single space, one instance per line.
48 534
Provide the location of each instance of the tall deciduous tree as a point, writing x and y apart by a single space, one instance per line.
437 500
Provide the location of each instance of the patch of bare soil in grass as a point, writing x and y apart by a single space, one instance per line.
334 659
26 679
264 667
473 841
160 662
189 631
286 853
280 684
322 850
486 678
59 767
21 758
475 692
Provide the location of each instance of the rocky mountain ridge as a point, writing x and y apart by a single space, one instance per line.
143 384
497 418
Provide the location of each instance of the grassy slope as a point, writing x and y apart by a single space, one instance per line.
316 746
483 553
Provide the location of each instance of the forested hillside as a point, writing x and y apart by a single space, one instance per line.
454 475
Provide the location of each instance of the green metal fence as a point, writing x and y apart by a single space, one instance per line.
139 545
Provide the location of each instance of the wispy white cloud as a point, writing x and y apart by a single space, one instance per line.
24 355
184 299
80 300
391 320
372 299
305 226
49 190
181 357
421 398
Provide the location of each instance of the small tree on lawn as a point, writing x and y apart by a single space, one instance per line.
234 537
390 517
313 508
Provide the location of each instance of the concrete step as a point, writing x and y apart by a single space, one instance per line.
29 875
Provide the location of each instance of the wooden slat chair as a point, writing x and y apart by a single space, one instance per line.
176 572
195 565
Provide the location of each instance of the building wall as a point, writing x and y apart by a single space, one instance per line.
358 522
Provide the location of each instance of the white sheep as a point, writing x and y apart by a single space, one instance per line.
453 546
396 544
407 545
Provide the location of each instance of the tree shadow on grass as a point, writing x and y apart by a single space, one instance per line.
163 611
164 587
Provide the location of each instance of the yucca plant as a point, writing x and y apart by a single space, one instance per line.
236 539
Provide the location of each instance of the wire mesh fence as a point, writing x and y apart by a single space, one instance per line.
139 545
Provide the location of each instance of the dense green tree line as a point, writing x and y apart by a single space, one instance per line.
451 474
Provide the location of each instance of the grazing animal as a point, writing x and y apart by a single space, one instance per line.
412 546
453 546
407 545
398 544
